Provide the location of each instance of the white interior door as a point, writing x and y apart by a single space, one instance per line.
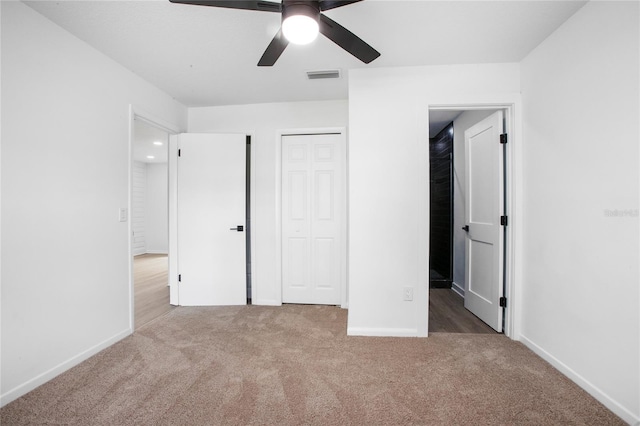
484 184
211 201
312 218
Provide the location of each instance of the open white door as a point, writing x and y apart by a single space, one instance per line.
484 184
313 201
211 219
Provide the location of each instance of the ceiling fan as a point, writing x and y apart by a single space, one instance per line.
301 22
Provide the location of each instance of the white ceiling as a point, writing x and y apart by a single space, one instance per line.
146 139
205 56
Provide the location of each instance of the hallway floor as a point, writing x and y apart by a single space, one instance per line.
447 314
151 287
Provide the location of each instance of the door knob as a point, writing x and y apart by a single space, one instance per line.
239 228
466 228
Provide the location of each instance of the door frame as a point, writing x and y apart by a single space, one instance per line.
513 205
136 112
342 132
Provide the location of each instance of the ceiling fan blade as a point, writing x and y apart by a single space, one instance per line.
332 4
263 6
347 40
274 50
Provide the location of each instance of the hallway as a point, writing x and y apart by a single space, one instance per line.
151 287
447 314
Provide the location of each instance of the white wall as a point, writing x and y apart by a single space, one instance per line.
580 90
156 223
138 201
460 124
388 184
263 121
65 174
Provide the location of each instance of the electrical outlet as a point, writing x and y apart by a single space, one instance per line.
408 294
122 214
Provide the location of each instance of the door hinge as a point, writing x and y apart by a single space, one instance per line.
179 153
179 278
503 138
503 302
504 221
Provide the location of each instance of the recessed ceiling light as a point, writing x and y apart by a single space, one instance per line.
158 143
150 157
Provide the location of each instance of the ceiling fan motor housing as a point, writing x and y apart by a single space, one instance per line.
300 7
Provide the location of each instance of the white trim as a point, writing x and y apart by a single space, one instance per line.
382 332
423 229
156 252
153 120
172 199
137 113
342 131
589 387
41 379
457 289
514 177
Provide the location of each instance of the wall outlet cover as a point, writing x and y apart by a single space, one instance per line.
408 294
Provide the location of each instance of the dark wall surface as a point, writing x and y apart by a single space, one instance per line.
441 162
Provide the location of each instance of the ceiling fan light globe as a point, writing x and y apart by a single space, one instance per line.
300 29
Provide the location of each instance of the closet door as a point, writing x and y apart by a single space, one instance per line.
313 201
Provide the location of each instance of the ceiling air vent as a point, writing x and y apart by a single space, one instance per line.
316 75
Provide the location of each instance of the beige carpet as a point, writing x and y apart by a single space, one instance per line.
294 365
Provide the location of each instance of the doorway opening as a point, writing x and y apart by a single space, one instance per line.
149 222
441 207
449 237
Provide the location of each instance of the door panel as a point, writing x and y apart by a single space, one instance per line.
298 262
481 176
312 219
324 252
324 195
211 201
298 196
484 183
481 285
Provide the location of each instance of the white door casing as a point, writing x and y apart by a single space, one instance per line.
211 201
484 248
312 223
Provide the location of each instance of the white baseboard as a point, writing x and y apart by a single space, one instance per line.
157 252
382 332
589 387
41 379
456 287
